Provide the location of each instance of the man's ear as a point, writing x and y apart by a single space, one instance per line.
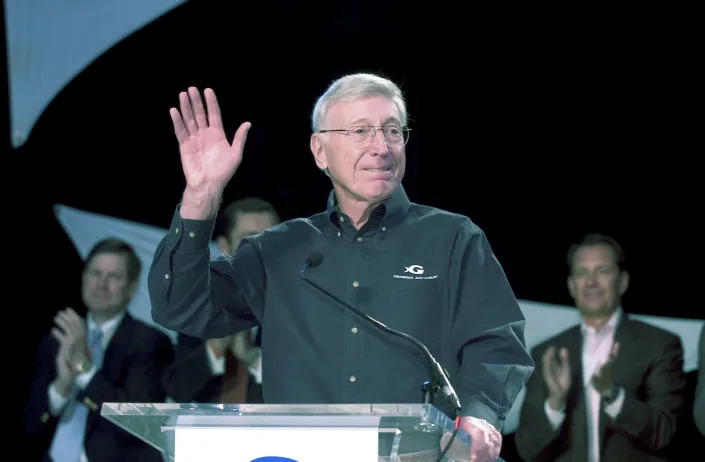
572 289
133 288
318 151
623 282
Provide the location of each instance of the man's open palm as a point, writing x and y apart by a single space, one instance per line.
208 160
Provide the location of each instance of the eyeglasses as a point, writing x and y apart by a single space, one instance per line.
365 134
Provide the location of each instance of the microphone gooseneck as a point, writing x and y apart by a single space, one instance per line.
438 375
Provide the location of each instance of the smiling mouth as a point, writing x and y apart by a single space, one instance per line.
378 170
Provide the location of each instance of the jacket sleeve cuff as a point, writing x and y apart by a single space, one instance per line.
189 235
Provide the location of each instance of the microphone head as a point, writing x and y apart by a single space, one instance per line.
314 259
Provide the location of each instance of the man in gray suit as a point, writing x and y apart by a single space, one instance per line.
610 388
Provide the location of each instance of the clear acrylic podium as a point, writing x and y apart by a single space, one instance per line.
403 432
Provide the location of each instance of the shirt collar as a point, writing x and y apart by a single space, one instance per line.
609 327
393 208
108 328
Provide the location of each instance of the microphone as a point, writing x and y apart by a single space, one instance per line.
438 375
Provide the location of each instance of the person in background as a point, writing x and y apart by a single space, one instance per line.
610 388
226 369
109 356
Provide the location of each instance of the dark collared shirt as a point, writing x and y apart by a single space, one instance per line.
417 269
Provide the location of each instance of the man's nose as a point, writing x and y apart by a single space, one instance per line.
379 143
591 279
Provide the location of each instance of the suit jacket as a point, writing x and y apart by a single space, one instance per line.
649 366
699 404
133 365
190 379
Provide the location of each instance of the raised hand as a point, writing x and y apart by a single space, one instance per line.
243 349
70 333
207 159
65 372
220 345
557 375
603 378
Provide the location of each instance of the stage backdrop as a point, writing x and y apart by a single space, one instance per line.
49 42
542 320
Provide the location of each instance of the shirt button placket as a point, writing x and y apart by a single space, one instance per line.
354 330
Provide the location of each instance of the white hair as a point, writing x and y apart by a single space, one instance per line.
353 87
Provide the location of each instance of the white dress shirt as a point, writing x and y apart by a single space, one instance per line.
597 345
253 360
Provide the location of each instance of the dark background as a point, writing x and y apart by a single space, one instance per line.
540 125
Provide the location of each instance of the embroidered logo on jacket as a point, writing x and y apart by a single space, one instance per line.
416 271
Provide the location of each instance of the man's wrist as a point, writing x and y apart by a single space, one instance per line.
61 388
84 365
199 205
218 353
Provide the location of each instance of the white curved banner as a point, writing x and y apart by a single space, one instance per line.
49 42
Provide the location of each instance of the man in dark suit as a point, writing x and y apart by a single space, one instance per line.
610 388
228 369
107 357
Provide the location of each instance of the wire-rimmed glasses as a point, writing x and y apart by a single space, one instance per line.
364 134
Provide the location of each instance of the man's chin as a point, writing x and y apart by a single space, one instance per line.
100 307
383 191
595 310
